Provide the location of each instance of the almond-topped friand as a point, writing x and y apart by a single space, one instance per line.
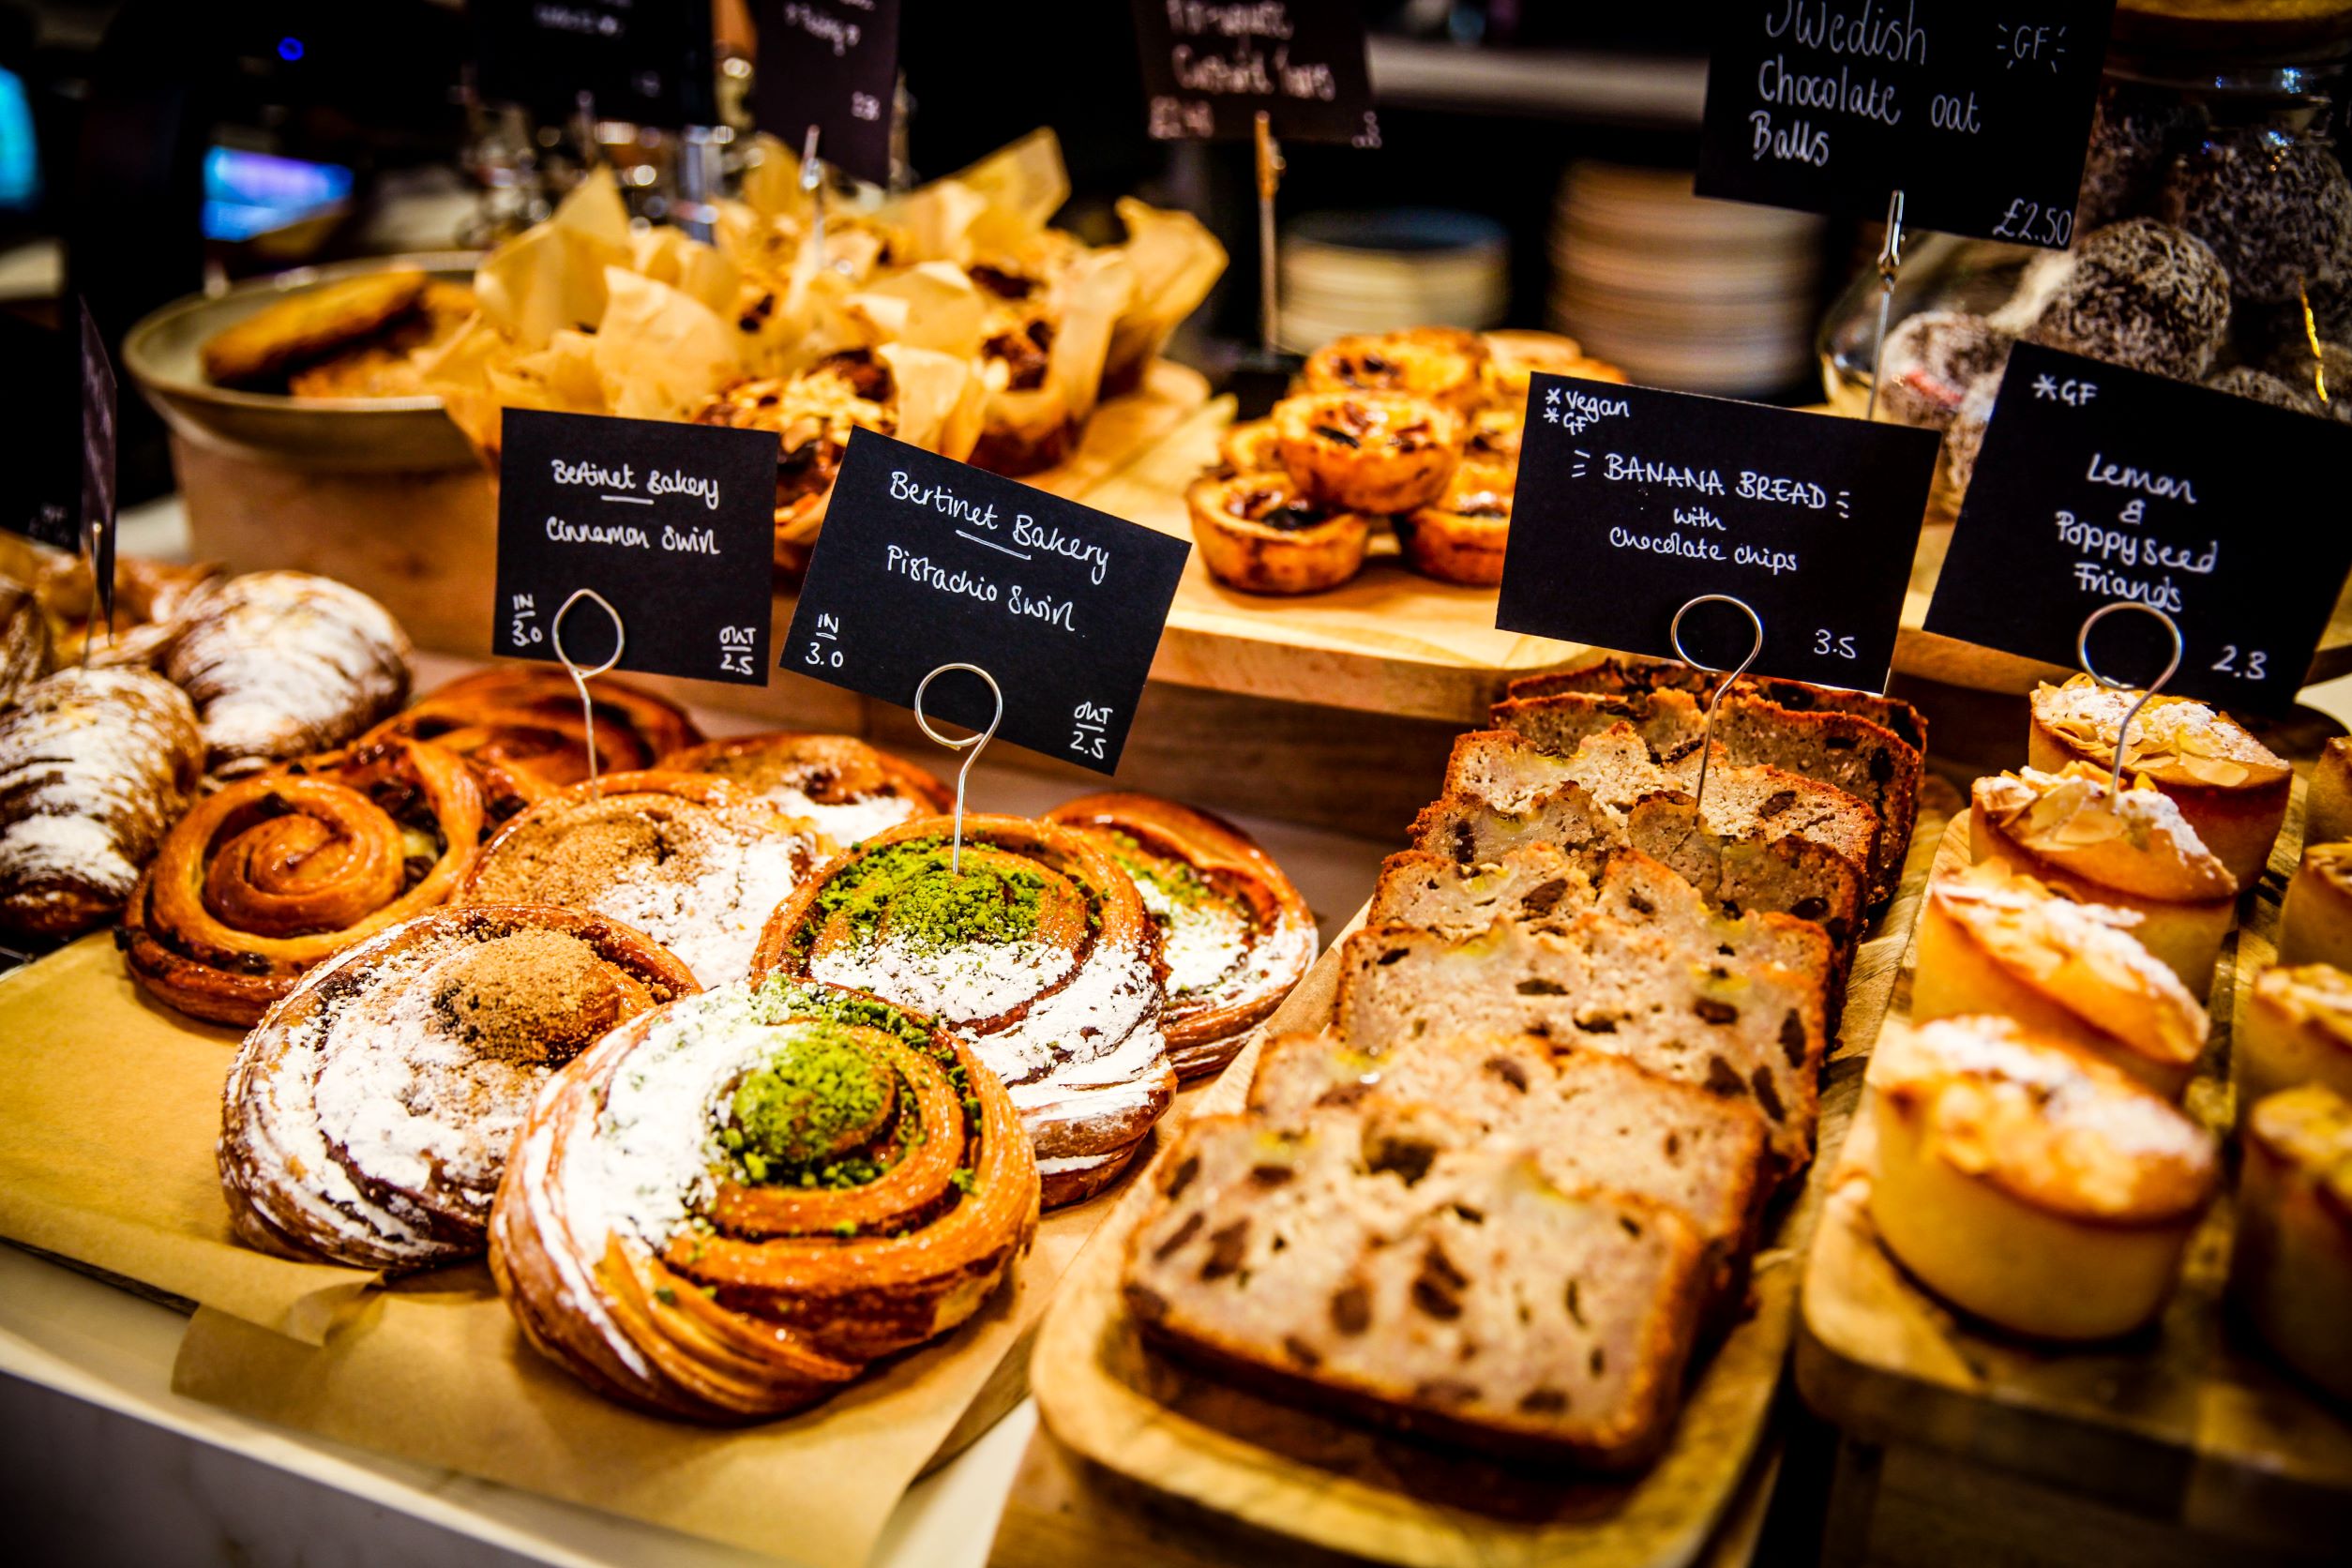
729 1207
1250 446
1993 940
2328 803
2029 1182
2291 1262
2132 851
1036 950
1368 451
2232 788
2316 927
1442 365
1512 357
1462 537
368 1117
1381 1262
2297 1029
850 790
1261 534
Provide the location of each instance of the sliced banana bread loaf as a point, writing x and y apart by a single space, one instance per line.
1616 674
1379 1263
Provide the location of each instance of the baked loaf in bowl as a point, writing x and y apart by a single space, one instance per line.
1996 941
1235 935
2132 851
2328 803
522 729
1368 451
2030 1183
693 862
368 1116
850 790
2291 1266
729 1207
1380 1262
2230 787
1262 533
2297 1028
2316 927
1039 954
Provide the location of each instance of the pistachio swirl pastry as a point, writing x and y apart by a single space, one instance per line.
521 729
1040 955
729 1206
850 790
368 1116
270 875
1235 935
695 863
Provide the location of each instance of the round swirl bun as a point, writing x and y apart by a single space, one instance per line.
270 875
728 1207
846 788
1235 935
521 729
1040 955
367 1118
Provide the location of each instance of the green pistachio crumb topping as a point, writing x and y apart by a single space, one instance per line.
929 905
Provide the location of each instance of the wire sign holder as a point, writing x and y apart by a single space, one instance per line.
1889 264
581 677
969 746
1707 740
2082 655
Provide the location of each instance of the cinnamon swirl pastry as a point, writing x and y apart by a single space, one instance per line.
367 1119
1040 955
1369 451
521 729
846 788
270 875
1235 935
283 664
94 767
695 863
727 1208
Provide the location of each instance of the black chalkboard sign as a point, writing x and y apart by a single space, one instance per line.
41 499
832 64
1632 502
645 61
1978 114
673 524
1209 67
925 562
2097 484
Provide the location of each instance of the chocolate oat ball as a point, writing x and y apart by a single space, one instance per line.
2142 295
1964 440
2132 138
2244 381
2275 209
1931 358
2295 365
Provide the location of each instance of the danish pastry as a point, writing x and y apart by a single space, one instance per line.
520 727
850 790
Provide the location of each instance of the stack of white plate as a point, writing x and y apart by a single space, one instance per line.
1344 272
1709 296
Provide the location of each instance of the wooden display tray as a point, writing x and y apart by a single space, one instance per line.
1232 1460
2185 1424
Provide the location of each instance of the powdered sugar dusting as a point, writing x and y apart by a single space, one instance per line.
846 821
94 768
710 919
284 663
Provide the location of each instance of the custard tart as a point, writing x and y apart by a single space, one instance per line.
1369 451
1250 446
1462 537
1258 532
1442 364
1514 356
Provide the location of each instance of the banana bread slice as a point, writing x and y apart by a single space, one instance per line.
1379 1263
1752 1033
1843 750
1589 1118
1616 674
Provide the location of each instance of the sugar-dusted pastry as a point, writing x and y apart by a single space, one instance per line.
730 1206
1443 364
2230 787
272 875
2316 927
2297 1028
2029 1182
96 765
2132 851
2291 1265
1040 955
1262 533
24 641
368 1116
696 863
520 727
1368 451
284 664
850 790
1996 941
1236 937
1461 537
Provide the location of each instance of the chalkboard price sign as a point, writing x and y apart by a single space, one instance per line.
832 64
1211 65
645 61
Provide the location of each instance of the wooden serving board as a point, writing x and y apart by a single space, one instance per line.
2184 1424
1234 1460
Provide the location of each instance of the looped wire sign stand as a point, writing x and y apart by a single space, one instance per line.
1707 741
581 677
1889 264
969 746
2082 657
